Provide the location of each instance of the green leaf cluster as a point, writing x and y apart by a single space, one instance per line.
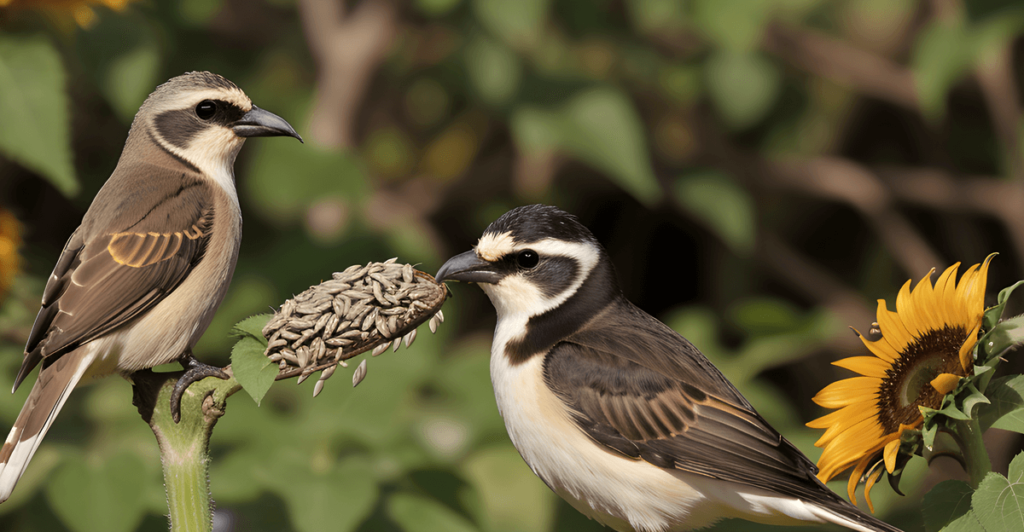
996 506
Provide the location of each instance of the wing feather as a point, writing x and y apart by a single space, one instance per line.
654 399
108 275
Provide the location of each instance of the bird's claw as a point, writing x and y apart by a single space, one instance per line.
195 371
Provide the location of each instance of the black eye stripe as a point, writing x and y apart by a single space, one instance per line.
179 126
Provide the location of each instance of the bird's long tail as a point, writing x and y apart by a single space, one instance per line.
845 514
51 389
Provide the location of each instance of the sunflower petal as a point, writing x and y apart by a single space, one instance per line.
945 382
866 366
873 477
893 329
847 391
889 454
967 350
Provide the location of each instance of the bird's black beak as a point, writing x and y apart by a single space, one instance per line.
469 268
261 123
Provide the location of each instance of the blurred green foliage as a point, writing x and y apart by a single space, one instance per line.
676 129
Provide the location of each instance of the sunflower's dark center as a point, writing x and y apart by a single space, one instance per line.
907 384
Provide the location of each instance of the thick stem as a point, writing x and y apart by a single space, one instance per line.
184 446
976 460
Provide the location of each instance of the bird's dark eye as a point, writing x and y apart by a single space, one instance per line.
206 109
527 258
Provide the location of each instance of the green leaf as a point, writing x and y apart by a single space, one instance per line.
742 86
1006 410
1003 336
36 130
974 399
945 503
252 327
536 131
252 369
942 55
519 23
723 205
999 501
493 68
420 514
286 178
965 523
995 313
601 127
657 15
506 486
99 497
130 78
732 24
338 501
436 7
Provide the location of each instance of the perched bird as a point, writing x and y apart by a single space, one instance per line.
139 280
613 410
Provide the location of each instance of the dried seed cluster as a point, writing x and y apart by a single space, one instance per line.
373 306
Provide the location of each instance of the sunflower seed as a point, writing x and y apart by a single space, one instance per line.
377 351
433 324
359 374
440 316
302 378
338 342
288 335
302 353
410 338
407 274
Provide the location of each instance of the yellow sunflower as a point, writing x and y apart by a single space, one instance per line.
80 10
926 346
10 240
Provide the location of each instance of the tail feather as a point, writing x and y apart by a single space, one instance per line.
48 395
845 514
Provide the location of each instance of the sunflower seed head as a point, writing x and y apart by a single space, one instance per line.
372 306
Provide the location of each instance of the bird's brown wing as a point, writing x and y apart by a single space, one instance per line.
111 271
636 387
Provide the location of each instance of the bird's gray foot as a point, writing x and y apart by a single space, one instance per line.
194 371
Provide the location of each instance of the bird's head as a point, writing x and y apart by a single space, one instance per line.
529 261
203 118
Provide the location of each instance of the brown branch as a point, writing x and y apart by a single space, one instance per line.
838 61
348 48
815 283
990 196
846 181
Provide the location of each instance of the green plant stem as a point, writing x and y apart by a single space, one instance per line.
184 446
976 460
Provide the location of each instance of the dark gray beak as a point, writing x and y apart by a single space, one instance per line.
260 123
468 268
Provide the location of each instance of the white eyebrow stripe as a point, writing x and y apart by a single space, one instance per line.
492 246
584 252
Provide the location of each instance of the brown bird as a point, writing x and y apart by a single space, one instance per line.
139 281
613 410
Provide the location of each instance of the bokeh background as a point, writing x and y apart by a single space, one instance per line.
761 172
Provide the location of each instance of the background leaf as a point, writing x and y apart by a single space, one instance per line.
1007 401
420 514
34 110
999 501
946 502
102 495
720 203
743 87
